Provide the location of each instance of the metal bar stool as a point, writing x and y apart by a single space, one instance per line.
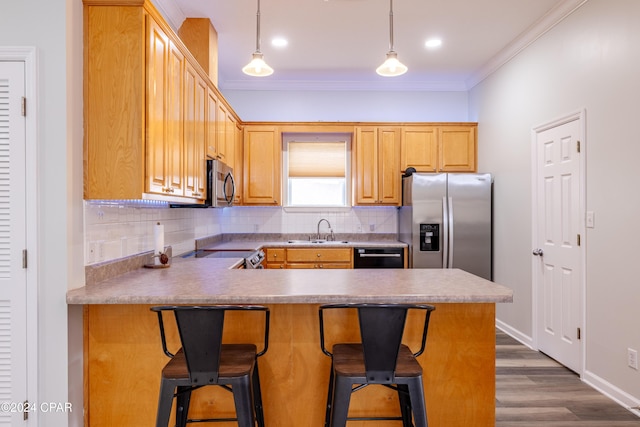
204 360
380 358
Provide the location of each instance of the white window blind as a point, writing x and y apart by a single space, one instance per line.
317 159
316 170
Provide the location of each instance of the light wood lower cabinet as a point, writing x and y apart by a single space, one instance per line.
123 362
275 257
299 258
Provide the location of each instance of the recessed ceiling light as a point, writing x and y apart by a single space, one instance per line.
279 42
433 43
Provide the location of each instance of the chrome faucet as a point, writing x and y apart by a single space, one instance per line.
329 225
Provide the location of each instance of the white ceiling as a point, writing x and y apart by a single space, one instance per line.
337 44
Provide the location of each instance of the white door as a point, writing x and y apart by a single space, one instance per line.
558 234
13 279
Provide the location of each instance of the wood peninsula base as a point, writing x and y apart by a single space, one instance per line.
123 360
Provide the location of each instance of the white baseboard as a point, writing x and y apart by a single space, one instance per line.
516 334
619 396
614 393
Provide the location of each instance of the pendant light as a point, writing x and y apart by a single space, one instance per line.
257 67
391 67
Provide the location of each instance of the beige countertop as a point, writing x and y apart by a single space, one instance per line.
250 245
211 281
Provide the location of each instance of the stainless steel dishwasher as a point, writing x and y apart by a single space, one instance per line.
378 257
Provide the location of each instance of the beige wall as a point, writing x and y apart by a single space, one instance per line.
591 60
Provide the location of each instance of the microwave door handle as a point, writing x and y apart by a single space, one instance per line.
229 200
233 189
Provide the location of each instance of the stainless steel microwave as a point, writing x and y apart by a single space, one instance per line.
221 187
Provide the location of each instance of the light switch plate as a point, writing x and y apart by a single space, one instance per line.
591 219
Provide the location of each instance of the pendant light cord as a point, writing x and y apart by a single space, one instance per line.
390 25
258 28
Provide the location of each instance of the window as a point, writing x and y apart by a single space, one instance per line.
316 170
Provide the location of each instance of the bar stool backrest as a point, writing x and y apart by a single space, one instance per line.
200 329
201 336
381 330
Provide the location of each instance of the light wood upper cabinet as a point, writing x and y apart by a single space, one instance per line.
439 148
419 148
239 166
147 106
212 110
377 179
195 134
458 150
261 175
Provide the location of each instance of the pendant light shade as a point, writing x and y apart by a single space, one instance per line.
391 67
257 67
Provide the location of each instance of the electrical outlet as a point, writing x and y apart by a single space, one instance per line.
632 358
372 227
99 257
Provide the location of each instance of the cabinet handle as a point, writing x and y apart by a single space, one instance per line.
318 255
196 194
167 189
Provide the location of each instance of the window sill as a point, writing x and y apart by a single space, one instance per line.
317 208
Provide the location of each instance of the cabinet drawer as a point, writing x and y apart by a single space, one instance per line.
319 255
275 254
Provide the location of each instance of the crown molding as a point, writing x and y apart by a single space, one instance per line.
387 86
171 12
530 35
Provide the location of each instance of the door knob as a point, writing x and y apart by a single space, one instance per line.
538 252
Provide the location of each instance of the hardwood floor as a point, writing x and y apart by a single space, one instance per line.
534 390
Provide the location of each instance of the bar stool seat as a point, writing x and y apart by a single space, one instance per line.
202 360
380 358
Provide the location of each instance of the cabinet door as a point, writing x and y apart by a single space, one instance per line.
230 141
212 110
157 100
457 148
261 177
221 132
195 132
377 166
389 175
165 65
366 166
238 168
419 148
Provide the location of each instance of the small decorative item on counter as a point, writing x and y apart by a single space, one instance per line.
160 257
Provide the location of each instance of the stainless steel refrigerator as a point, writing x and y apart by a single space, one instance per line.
446 220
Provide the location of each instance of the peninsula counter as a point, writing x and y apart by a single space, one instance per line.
123 356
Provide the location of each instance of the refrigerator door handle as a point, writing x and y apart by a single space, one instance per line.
445 233
450 212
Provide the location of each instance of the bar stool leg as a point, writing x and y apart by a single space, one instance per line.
327 417
183 399
405 405
416 394
243 400
257 397
164 403
340 401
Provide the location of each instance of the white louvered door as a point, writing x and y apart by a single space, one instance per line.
13 318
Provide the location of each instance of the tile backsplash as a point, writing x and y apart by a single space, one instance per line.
117 229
